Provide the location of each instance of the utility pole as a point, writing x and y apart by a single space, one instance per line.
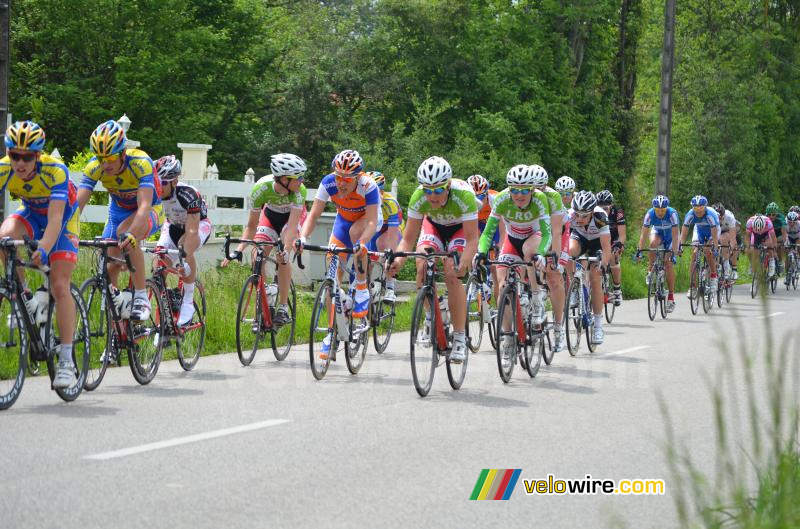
665 108
5 59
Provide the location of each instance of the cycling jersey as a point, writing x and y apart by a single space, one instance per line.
137 173
556 203
50 182
185 200
758 237
264 195
779 222
616 218
486 209
352 206
704 223
793 230
520 223
462 205
661 225
728 221
391 212
594 229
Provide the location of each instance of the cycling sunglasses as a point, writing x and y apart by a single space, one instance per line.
435 190
109 159
660 211
481 196
27 158
520 190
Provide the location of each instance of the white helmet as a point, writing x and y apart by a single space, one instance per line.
565 184
519 175
285 164
434 171
584 201
759 223
539 175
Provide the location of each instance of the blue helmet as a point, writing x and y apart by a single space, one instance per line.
25 135
699 200
661 202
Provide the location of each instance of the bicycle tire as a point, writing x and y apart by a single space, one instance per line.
13 354
381 313
356 351
721 282
249 320
589 329
507 304
535 350
80 346
99 327
773 283
322 312
662 298
754 281
609 312
652 297
547 352
475 321
420 357
694 288
456 373
144 361
194 332
282 338
492 327
573 318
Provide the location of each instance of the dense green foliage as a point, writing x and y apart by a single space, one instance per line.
570 84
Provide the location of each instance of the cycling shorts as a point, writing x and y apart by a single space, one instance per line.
171 234
441 238
512 249
340 236
118 215
66 247
588 247
271 224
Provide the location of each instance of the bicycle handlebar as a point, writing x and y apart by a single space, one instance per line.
326 249
257 244
104 244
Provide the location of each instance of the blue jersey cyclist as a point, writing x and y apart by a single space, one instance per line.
48 214
705 222
134 211
661 225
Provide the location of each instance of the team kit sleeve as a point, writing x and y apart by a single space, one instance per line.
415 204
91 175
57 181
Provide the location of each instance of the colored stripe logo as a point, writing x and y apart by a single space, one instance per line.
495 484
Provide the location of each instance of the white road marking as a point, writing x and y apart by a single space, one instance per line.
185 440
622 351
770 315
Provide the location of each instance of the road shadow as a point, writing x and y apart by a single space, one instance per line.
197 375
80 409
576 371
566 387
628 326
482 398
676 320
151 390
621 358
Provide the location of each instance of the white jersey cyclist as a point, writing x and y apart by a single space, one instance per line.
185 200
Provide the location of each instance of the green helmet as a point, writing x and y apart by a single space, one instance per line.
772 209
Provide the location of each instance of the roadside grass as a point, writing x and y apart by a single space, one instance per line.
756 481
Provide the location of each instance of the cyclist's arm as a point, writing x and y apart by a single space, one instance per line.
192 231
371 214
643 235
55 216
311 220
291 232
547 236
622 231
144 201
84 195
684 233
605 244
556 226
488 234
471 234
410 235
675 241
250 229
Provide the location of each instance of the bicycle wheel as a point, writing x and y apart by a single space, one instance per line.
80 346
249 320
144 356
547 351
99 332
13 352
492 324
573 317
773 283
507 331
194 333
474 313
609 307
721 281
706 291
534 352
754 283
457 372
694 288
795 279
588 324
282 338
322 327
662 297
424 353
652 297
356 350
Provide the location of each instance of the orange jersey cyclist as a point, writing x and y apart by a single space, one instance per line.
49 214
134 211
358 216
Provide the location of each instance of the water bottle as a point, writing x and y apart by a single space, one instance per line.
487 292
272 294
122 302
42 304
445 311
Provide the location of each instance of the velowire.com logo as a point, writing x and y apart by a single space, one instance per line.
495 484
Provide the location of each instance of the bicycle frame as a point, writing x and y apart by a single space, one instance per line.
163 268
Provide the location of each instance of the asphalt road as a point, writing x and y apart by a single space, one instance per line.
268 446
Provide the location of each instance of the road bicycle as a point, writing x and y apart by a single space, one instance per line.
258 302
699 279
110 327
190 337
608 295
332 317
657 285
381 313
27 338
725 280
578 315
431 313
515 325
793 269
761 274
480 314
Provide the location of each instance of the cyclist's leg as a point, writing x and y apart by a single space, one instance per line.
456 295
509 253
529 249
141 304
555 281
63 259
20 223
429 237
361 301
